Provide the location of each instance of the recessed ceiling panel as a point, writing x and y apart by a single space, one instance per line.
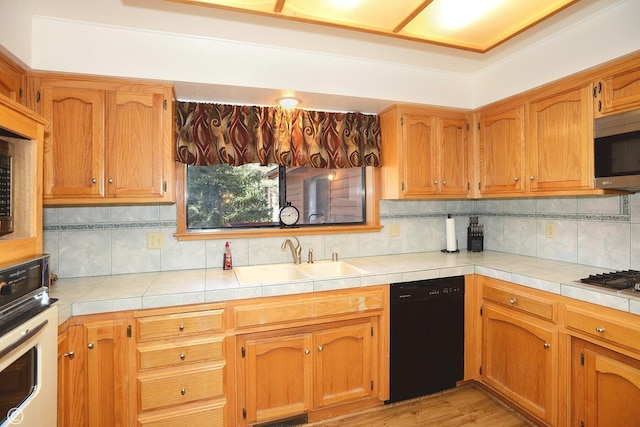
476 25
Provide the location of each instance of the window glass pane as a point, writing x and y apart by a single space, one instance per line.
327 196
226 196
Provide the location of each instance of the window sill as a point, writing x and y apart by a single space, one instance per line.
276 232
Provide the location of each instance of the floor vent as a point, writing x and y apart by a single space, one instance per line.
287 422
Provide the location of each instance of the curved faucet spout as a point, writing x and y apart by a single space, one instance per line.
296 251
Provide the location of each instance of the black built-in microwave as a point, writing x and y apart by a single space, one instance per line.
6 187
617 151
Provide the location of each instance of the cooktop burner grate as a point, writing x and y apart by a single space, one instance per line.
615 280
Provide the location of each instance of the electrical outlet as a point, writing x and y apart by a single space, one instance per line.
155 240
393 230
550 230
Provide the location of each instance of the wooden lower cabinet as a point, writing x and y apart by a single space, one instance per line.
519 360
289 373
605 386
94 374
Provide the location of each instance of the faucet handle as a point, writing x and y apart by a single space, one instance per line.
310 261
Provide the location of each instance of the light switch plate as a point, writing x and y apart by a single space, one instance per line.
393 230
155 240
550 230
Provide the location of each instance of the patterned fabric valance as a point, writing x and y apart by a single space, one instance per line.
209 134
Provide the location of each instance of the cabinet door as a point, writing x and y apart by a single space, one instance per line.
453 149
135 144
605 386
278 377
72 390
11 79
343 365
561 141
108 374
518 360
618 92
502 151
419 156
74 142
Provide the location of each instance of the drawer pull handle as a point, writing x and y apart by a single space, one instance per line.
69 355
182 356
512 301
181 327
600 330
547 345
183 391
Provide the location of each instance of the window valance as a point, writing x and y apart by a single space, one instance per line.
209 134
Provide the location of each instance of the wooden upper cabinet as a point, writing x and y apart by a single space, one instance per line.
560 142
502 150
11 80
74 142
617 92
419 154
425 153
108 141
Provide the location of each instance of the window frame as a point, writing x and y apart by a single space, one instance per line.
372 220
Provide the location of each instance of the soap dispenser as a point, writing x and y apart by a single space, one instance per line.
227 263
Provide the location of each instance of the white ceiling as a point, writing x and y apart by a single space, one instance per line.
166 17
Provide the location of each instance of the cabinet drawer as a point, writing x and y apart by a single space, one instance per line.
181 387
160 355
277 312
208 415
519 301
179 325
606 329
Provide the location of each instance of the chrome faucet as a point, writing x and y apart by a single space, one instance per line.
295 252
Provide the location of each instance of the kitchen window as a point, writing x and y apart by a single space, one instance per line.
250 196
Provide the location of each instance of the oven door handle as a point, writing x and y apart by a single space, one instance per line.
27 335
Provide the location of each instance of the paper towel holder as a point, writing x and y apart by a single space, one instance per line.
445 250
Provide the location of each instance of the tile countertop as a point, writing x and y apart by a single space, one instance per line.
100 294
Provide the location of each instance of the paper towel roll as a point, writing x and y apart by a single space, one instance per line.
452 244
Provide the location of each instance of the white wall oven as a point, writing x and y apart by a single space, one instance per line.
28 345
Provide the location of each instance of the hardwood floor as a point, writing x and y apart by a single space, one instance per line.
464 406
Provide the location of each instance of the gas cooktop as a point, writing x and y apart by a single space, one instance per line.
615 280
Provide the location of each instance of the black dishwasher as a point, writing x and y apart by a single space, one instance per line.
427 337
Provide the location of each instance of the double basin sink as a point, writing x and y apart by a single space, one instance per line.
277 273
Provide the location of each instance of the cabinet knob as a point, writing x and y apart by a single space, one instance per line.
182 356
444 182
69 355
110 181
307 351
435 182
90 345
547 345
181 327
183 391
319 348
532 177
93 180
516 179
512 301
600 330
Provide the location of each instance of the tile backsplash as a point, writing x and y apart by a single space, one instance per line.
600 231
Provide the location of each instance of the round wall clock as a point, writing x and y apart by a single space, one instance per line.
289 215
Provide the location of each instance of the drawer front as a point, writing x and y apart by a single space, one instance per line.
605 329
519 301
181 387
180 325
264 314
207 416
161 355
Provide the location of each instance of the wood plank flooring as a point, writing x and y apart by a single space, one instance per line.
468 405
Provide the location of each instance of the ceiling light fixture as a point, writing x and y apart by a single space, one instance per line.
288 101
455 14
